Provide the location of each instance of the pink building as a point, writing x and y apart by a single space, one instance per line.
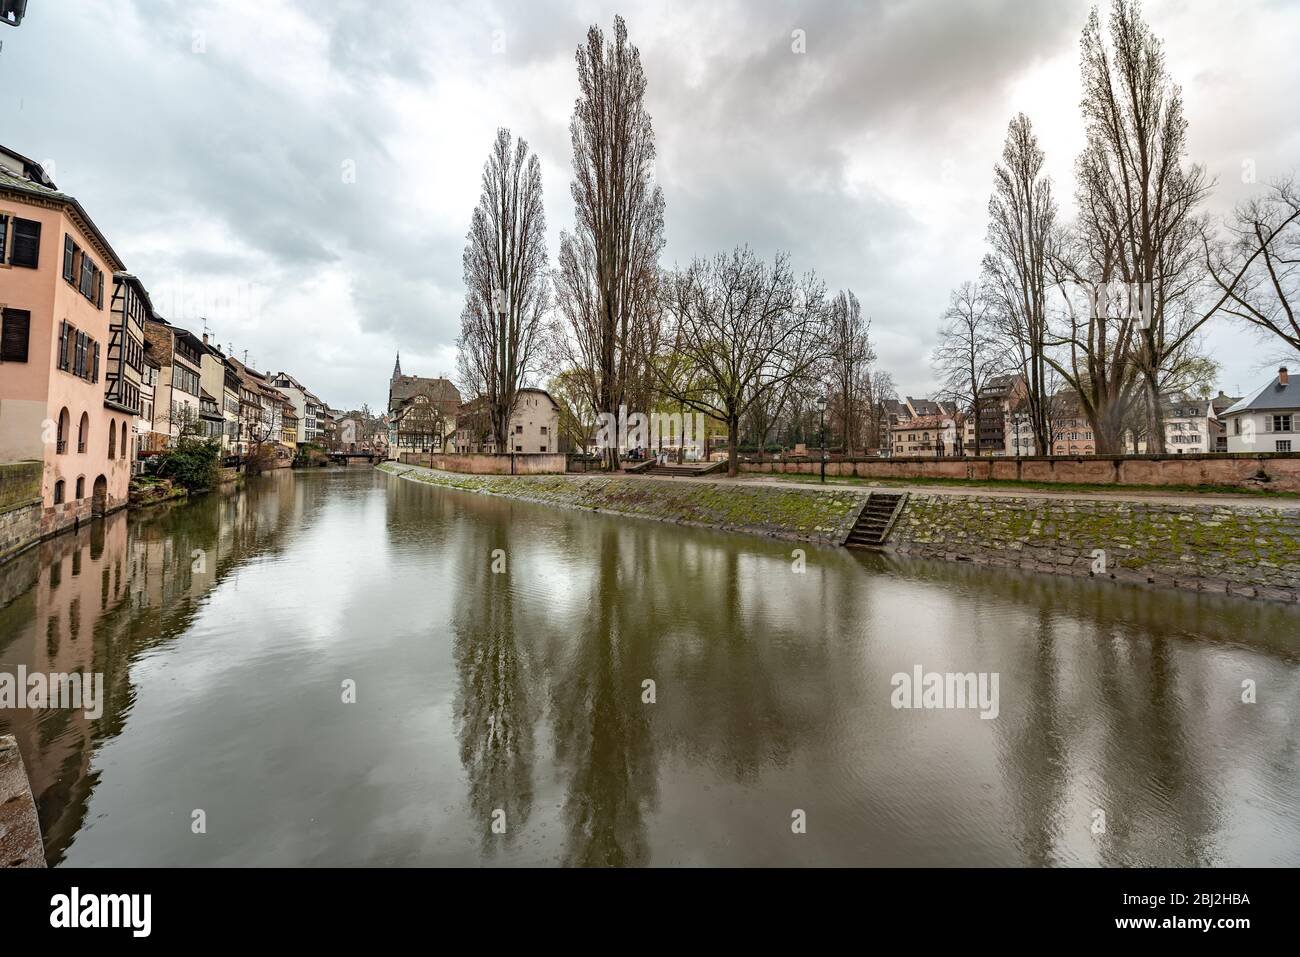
56 286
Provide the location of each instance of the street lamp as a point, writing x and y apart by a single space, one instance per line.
12 11
821 427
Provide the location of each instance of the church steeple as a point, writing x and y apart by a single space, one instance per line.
397 367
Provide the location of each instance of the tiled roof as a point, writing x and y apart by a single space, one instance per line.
922 422
1270 397
14 183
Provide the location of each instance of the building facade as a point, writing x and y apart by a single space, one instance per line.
421 412
927 436
56 323
1268 420
178 392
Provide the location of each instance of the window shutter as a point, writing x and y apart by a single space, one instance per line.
69 257
4 233
26 243
94 375
14 337
99 289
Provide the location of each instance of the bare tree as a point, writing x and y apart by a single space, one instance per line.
850 356
1138 201
745 329
506 280
577 424
606 281
968 355
766 411
878 387
1258 267
1022 223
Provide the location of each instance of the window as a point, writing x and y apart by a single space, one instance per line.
64 422
91 283
123 440
81 493
519 448
14 335
1281 423
70 251
26 245
4 234
58 492
1236 426
1283 445
519 430
185 379
112 440
83 435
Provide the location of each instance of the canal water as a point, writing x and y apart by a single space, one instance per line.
499 654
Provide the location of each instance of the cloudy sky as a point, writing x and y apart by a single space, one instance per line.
302 174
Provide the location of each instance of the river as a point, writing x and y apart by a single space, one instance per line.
342 667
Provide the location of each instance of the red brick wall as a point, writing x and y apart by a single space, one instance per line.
1279 473
526 463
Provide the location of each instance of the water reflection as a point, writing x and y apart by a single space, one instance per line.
97 600
495 713
225 627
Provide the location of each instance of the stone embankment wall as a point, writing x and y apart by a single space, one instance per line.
20 506
1275 472
1247 549
20 829
803 514
1251 550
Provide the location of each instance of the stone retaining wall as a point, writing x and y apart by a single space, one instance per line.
20 506
20 828
1277 472
802 514
1250 550
20 526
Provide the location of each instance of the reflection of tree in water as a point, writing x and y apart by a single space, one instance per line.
1037 759
495 727
1105 718
602 731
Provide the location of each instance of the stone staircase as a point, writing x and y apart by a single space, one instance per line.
876 520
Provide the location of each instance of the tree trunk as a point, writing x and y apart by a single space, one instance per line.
1154 415
733 461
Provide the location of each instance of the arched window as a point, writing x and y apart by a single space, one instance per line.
123 438
112 439
83 433
65 422
58 492
81 487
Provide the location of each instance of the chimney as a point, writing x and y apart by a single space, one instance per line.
205 338
1281 376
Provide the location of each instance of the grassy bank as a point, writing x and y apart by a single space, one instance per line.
812 515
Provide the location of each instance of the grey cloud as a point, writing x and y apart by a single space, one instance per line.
757 145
